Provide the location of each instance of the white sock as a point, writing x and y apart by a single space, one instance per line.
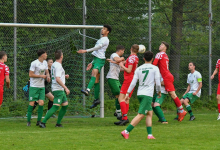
88 89
118 112
126 132
150 134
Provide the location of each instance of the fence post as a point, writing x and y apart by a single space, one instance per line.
15 51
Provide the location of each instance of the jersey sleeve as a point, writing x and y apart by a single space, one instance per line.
46 65
131 60
217 64
188 79
58 72
6 70
199 77
156 60
114 55
157 79
32 68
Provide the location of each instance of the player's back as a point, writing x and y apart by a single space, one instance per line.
131 60
4 70
162 61
147 74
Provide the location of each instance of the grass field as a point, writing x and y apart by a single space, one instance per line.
97 133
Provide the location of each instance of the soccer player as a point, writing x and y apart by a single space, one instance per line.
162 61
129 69
193 90
113 76
58 87
147 74
157 102
37 86
98 62
218 90
4 74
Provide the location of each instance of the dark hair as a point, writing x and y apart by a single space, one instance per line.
49 59
2 54
40 52
166 44
119 47
135 48
58 54
108 27
192 63
148 55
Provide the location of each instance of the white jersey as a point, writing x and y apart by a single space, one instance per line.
162 86
193 80
38 68
103 42
57 71
147 74
114 70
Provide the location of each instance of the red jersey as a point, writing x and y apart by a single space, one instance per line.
162 61
4 70
218 66
131 60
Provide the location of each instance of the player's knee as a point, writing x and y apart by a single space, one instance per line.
41 102
156 104
141 116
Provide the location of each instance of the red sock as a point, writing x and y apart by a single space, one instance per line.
123 110
177 102
219 108
127 106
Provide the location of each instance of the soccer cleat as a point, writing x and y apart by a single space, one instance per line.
181 115
218 117
125 135
175 118
28 124
151 137
115 114
38 123
164 122
58 125
42 125
192 118
95 103
118 117
121 122
86 92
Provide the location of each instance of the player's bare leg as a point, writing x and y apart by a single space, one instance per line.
218 101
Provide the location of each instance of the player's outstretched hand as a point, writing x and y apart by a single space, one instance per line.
8 85
67 76
67 91
44 76
121 64
212 77
159 94
81 51
127 98
89 66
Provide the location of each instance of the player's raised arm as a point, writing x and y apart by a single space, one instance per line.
156 60
214 73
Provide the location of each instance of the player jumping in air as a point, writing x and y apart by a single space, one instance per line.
193 90
129 69
113 76
4 74
98 62
58 86
147 74
162 61
218 90
37 87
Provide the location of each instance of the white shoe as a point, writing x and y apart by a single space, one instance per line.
218 117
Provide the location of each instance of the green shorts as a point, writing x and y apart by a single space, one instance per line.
161 99
36 94
98 63
59 97
192 98
145 104
115 86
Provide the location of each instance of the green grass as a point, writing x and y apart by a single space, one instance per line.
97 133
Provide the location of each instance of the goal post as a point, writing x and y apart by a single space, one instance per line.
25 25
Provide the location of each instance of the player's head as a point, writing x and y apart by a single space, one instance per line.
148 56
49 62
106 30
135 48
192 66
42 53
59 54
3 56
120 50
163 46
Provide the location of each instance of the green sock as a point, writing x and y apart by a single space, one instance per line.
30 109
188 107
156 113
97 90
50 113
129 128
149 130
117 105
160 113
40 112
91 82
61 114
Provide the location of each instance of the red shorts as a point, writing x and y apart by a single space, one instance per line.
218 91
1 94
168 82
125 86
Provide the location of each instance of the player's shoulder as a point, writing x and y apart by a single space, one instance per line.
114 55
197 72
218 61
34 62
160 54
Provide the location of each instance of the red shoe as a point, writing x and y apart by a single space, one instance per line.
181 115
151 137
125 135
